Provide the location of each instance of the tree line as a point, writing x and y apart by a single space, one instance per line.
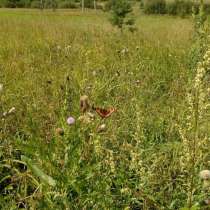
73 4
175 7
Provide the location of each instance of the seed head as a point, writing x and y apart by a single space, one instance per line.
59 131
84 103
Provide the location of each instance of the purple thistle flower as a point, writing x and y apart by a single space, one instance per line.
70 121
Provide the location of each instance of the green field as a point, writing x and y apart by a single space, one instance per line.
47 61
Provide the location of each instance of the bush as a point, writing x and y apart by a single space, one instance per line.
36 4
88 4
155 7
120 9
184 7
175 7
24 4
107 6
171 8
15 3
10 4
141 4
67 4
50 4
179 7
207 8
99 6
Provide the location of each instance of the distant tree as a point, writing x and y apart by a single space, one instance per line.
120 10
41 4
83 5
155 6
88 4
70 4
10 3
94 3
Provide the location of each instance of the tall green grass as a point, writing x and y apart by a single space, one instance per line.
47 61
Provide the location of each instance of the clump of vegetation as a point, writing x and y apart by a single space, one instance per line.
72 4
200 38
179 7
155 6
120 10
176 7
67 4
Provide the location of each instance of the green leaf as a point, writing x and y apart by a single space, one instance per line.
38 172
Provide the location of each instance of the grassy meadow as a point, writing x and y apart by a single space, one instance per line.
48 60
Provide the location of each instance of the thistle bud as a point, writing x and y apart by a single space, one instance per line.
59 131
84 103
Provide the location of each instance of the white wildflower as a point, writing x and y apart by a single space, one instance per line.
4 114
12 110
1 87
124 51
102 128
205 175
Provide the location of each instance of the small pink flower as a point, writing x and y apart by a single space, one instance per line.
70 121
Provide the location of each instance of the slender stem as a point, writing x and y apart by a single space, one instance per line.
194 144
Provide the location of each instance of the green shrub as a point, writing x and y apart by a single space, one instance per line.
15 3
184 7
175 7
50 4
36 4
155 6
120 10
99 6
141 4
179 7
24 3
88 4
67 4
171 8
10 4
108 5
207 8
